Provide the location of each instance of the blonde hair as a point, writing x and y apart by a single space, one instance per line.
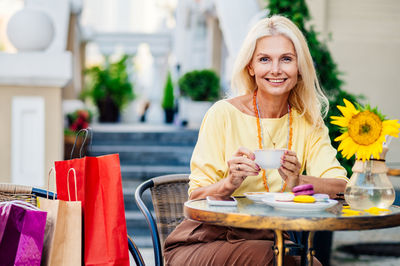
307 96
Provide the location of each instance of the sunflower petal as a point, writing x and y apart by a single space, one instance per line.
350 106
344 136
340 121
391 127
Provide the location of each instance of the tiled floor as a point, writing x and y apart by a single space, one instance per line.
148 256
352 237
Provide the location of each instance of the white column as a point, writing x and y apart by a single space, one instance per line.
155 113
235 17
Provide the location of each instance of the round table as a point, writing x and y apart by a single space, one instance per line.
250 214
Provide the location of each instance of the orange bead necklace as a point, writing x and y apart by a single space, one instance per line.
260 136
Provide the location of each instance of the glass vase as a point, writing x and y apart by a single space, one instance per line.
369 186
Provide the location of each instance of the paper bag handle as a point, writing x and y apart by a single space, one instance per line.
76 190
48 182
87 131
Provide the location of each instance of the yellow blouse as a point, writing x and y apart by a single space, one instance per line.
225 128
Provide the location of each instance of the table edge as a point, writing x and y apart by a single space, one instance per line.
293 223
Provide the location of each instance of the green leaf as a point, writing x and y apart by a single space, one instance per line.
168 97
109 80
200 85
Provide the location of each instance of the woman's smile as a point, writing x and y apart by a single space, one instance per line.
276 81
274 65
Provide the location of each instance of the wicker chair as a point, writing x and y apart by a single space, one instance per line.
168 194
29 194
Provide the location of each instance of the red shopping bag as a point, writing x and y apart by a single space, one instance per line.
100 191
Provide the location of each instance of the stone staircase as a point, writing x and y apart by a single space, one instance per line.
145 152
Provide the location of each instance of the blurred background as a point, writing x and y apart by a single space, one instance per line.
135 71
52 49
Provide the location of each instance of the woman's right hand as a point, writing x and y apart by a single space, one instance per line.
241 165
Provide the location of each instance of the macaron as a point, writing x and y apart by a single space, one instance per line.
306 189
321 197
304 199
286 196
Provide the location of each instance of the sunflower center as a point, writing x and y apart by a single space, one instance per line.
365 128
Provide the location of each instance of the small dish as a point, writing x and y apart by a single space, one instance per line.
299 207
259 196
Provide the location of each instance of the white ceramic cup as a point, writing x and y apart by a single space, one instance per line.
269 158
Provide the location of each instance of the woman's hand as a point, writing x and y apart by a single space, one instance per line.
241 165
290 169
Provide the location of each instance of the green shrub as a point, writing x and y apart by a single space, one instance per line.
111 80
200 85
168 98
327 71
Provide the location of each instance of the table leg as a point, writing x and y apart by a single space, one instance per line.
310 250
307 254
279 251
304 251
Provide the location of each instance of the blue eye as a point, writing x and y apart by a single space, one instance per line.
264 59
287 59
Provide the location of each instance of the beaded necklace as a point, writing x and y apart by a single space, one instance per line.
260 136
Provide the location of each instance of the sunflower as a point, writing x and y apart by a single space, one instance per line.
363 131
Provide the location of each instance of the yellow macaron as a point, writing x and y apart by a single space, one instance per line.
304 199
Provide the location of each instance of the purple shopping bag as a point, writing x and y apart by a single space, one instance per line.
21 233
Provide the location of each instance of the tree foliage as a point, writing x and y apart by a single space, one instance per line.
327 70
168 97
200 85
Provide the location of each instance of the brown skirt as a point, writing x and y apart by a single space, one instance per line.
195 243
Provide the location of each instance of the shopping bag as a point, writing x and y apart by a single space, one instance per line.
21 233
63 234
100 191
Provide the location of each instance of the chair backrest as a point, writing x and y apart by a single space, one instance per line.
168 194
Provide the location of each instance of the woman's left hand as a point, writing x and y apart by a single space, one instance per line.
290 169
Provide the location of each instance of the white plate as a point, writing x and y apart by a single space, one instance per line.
299 207
259 196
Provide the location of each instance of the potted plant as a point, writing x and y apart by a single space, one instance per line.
200 85
200 88
168 100
75 121
110 88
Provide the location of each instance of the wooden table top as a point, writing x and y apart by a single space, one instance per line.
249 214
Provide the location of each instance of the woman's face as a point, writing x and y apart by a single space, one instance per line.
274 65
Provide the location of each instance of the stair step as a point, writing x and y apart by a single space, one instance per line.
146 155
138 228
141 148
178 136
142 241
130 202
136 219
144 172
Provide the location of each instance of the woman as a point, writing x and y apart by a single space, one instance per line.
280 107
